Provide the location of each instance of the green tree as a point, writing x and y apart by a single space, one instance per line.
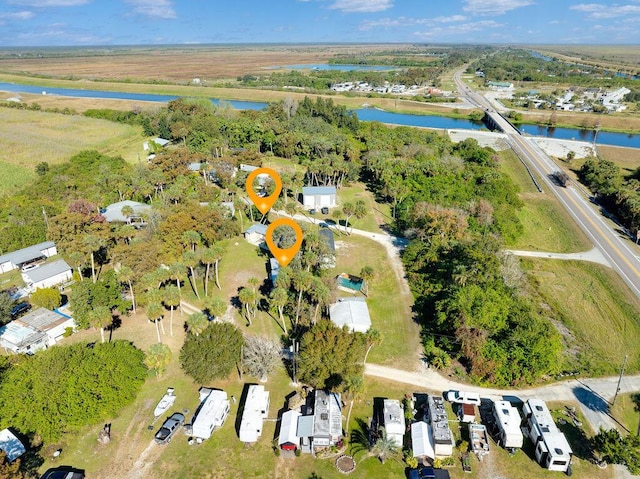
68 387
249 299
278 300
329 355
191 260
197 323
6 305
100 317
155 311
385 447
158 358
171 297
127 275
213 354
49 298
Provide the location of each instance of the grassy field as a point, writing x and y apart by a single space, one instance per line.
30 137
593 303
626 410
628 159
547 226
623 57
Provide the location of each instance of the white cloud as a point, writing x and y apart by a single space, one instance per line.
599 10
464 28
361 6
49 3
493 7
153 8
24 15
404 22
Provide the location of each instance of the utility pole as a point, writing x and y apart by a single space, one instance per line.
624 364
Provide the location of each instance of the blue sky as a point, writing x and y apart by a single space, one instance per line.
127 22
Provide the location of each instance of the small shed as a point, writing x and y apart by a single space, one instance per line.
422 440
47 275
351 312
467 412
256 234
11 445
288 439
319 197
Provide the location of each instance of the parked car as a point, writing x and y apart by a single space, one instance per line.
169 428
463 397
324 210
29 267
19 309
424 473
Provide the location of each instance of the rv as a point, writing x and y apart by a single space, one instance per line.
256 409
394 425
552 449
508 423
211 413
442 438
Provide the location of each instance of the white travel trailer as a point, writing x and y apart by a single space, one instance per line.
394 424
211 413
256 409
508 421
552 449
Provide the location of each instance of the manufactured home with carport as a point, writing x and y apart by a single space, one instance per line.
316 197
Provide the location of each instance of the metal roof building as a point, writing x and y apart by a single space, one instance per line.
351 312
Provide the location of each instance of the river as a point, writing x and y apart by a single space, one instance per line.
365 114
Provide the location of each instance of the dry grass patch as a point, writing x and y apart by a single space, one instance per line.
628 159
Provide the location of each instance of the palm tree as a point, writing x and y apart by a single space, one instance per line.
301 282
373 338
126 275
93 243
366 273
320 294
171 298
100 317
218 253
207 256
177 272
155 312
196 323
191 239
279 299
191 261
247 297
217 307
353 387
385 447
77 259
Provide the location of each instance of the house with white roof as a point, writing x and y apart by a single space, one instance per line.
26 256
113 213
422 440
351 312
34 331
319 197
256 233
47 275
256 409
393 421
288 439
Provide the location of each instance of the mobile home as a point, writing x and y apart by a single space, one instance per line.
211 413
508 421
256 409
394 425
552 449
442 438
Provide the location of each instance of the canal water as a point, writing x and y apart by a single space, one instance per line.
364 114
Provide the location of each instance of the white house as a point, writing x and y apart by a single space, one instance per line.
25 256
113 212
351 312
288 438
508 421
327 418
256 409
256 234
393 419
34 331
211 413
319 197
552 448
11 445
47 275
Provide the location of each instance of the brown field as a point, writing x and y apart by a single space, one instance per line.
626 158
623 57
178 64
622 122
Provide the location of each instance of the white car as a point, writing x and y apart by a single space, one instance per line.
463 397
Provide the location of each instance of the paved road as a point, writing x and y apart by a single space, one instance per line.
614 244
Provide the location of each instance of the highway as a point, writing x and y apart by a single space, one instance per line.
614 245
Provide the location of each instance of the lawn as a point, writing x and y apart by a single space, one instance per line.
46 137
547 225
626 411
589 303
377 214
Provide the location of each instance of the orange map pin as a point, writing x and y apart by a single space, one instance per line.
284 255
264 203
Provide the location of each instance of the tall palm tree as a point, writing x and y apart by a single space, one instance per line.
218 253
301 282
207 256
217 307
171 298
177 272
126 275
192 260
373 338
191 239
247 297
385 447
155 312
279 299
320 294
93 243
100 317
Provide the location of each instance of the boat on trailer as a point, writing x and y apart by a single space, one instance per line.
165 403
